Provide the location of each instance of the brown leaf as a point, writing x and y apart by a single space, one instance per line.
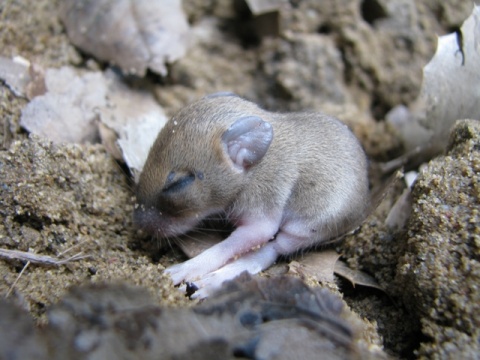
319 265
133 34
23 78
400 212
266 15
14 73
356 277
36 86
258 7
109 140
134 116
67 111
449 90
79 108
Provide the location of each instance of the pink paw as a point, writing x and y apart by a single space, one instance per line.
182 272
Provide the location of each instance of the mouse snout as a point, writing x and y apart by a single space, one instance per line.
150 220
156 222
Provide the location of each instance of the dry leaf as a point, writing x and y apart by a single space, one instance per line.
450 90
266 16
136 118
67 112
258 7
400 212
133 34
82 108
21 77
356 277
109 140
14 73
319 265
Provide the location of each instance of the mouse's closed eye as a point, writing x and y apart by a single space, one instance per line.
178 181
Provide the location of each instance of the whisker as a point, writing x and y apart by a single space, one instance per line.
170 242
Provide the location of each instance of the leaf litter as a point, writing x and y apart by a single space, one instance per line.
135 35
95 107
255 318
450 91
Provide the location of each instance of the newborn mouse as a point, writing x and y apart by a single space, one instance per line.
286 181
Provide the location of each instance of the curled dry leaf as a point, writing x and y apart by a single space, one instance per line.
258 7
400 212
21 77
266 16
356 277
319 265
14 73
450 90
67 111
135 117
133 34
86 108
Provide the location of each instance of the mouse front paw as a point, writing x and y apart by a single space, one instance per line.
177 273
188 271
206 284
252 263
211 282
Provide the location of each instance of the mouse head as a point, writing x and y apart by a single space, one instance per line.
199 163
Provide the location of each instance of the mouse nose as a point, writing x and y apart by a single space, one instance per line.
149 219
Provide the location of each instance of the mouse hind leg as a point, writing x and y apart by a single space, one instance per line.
252 262
286 242
299 234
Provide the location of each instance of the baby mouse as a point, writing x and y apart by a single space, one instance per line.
286 181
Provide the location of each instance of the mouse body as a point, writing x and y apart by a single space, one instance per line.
286 181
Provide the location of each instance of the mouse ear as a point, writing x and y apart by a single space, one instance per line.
247 141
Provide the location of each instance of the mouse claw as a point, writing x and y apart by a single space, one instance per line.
187 271
188 289
204 289
176 273
211 282
200 294
183 288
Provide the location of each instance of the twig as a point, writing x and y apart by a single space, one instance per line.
39 259
16 280
72 247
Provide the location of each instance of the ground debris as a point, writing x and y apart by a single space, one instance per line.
276 318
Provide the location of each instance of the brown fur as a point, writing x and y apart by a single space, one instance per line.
314 173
